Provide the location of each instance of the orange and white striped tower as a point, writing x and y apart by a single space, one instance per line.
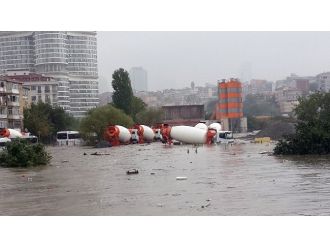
230 106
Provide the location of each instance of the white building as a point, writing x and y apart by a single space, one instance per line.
323 81
139 79
68 57
41 88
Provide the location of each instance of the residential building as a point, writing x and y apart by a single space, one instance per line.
70 58
257 86
105 98
41 88
139 79
301 83
192 95
323 80
287 99
12 101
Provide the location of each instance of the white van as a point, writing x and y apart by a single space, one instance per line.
68 138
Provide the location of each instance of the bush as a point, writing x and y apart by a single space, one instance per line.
20 153
312 132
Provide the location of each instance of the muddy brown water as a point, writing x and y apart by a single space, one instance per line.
221 180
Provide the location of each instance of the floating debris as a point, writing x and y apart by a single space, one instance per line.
205 206
96 153
176 194
181 178
133 171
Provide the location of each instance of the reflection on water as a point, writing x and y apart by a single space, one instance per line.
221 180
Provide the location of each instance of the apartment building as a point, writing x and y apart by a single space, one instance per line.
13 98
41 88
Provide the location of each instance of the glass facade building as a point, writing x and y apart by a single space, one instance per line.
69 57
139 79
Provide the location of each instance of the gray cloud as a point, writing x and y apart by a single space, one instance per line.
174 59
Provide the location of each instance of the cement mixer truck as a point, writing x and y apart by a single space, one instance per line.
117 134
201 125
141 133
8 134
187 134
222 136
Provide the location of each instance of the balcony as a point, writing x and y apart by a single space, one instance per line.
14 116
13 103
12 91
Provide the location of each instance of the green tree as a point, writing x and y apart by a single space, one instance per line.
150 116
123 94
312 134
210 108
257 105
92 127
138 105
44 121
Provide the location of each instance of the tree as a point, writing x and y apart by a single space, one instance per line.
92 127
312 134
210 108
150 116
45 121
138 105
256 105
123 94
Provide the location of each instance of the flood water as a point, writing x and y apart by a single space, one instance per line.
221 180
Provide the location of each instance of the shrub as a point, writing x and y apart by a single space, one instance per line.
312 135
20 153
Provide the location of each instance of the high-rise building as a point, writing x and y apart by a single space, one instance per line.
139 79
245 72
68 57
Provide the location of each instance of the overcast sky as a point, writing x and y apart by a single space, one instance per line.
174 59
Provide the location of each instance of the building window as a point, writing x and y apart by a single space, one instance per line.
10 111
47 98
3 111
